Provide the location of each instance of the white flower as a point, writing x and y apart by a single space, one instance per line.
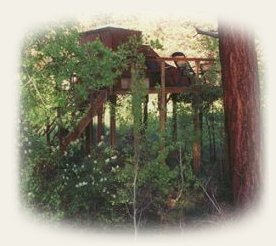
100 143
34 52
25 151
65 153
81 184
82 166
30 150
102 137
89 156
117 166
65 85
114 157
105 179
113 169
95 163
101 179
107 160
113 195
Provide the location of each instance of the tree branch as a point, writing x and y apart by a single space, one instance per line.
212 34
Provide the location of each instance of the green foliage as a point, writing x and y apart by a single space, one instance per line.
49 60
148 169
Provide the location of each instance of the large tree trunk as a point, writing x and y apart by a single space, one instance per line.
242 110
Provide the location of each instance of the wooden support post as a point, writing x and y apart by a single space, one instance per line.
100 126
145 118
197 63
197 128
48 137
113 100
162 98
174 116
166 99
88 139
92 132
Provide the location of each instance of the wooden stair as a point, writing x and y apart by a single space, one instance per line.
97 100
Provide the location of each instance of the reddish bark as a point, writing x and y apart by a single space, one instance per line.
242 110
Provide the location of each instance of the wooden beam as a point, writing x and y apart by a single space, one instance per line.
100 126
153 90
113 101
162 99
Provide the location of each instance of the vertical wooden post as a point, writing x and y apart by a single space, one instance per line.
113 100
100 126
48 137
197 129
166 98
145 118
162 98
88 139
174 116
197 63
92 132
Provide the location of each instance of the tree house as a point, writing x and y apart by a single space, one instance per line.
162 78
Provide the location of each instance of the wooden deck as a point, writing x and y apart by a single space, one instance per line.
153 90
